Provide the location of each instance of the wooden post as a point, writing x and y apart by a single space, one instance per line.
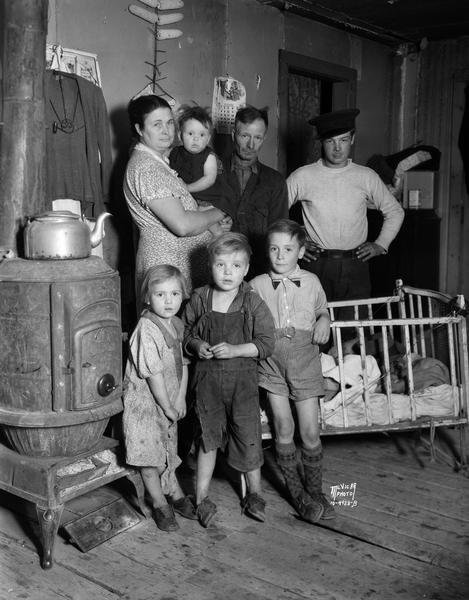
22 154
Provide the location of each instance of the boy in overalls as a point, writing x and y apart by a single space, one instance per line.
227 329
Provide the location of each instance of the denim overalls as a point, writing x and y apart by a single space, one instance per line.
226 391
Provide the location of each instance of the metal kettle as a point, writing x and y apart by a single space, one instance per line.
61 234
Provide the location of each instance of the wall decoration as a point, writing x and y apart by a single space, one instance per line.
229 95
157 20
78 62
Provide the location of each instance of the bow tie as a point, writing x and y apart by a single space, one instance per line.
276 282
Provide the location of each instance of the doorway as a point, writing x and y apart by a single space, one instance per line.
308 97
307 88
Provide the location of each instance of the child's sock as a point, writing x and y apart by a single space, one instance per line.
312 467
308 508
287 461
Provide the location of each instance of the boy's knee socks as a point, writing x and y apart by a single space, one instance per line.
312 467
287 461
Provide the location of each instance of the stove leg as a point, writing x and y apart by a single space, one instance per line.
49 521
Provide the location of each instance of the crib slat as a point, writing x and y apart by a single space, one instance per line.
452 369
413 329
366 393
340 360
432 333
387 370
410 374
388 310
421 327
370 317
389 317
356 312
332 318
464 367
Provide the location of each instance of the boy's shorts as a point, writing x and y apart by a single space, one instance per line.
227 406
294 369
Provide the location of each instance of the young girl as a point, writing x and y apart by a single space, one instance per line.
155 394
196 163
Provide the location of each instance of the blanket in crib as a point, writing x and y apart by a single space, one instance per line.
434 401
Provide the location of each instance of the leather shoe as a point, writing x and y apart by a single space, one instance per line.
185 507
254 506
206 511
164 518
310 510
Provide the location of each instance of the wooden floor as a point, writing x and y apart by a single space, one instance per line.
407 538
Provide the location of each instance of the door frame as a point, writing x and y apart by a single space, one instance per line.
454 252
343 96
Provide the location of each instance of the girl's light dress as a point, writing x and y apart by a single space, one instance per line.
150 438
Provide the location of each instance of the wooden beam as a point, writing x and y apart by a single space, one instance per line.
318 12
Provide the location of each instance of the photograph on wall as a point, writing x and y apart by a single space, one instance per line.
78 62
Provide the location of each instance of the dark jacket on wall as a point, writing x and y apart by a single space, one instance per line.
78 145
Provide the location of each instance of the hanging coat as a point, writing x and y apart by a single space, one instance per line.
78 145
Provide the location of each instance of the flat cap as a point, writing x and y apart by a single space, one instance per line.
335 123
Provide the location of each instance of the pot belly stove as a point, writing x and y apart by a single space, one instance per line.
50 482
60 382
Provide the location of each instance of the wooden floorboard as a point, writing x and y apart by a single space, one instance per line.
22 578
406 539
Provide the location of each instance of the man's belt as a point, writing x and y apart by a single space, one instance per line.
332 253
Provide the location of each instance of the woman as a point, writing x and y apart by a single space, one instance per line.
172 229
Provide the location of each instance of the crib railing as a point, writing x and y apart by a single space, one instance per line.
422 322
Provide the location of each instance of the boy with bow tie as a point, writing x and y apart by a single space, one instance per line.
293 372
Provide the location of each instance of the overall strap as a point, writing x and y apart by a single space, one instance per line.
244 310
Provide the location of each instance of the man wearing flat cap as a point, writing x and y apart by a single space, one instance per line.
335 193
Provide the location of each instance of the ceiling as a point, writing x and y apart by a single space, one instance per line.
389 21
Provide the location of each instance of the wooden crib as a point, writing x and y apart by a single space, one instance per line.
421 323
411 323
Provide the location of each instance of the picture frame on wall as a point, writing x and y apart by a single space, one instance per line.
78 62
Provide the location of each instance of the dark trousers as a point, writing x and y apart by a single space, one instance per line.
342 279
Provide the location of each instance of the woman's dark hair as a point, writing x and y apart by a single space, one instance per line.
198 114
140 107
292 228
249 114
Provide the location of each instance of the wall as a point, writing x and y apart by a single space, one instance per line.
240 38
255 34
122 42
373 63
444 73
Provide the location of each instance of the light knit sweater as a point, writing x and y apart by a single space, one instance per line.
334 202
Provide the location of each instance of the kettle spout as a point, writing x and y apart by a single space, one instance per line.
96 236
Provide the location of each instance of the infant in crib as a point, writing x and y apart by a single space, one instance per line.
426 371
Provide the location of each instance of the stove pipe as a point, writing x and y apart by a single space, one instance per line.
23 140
